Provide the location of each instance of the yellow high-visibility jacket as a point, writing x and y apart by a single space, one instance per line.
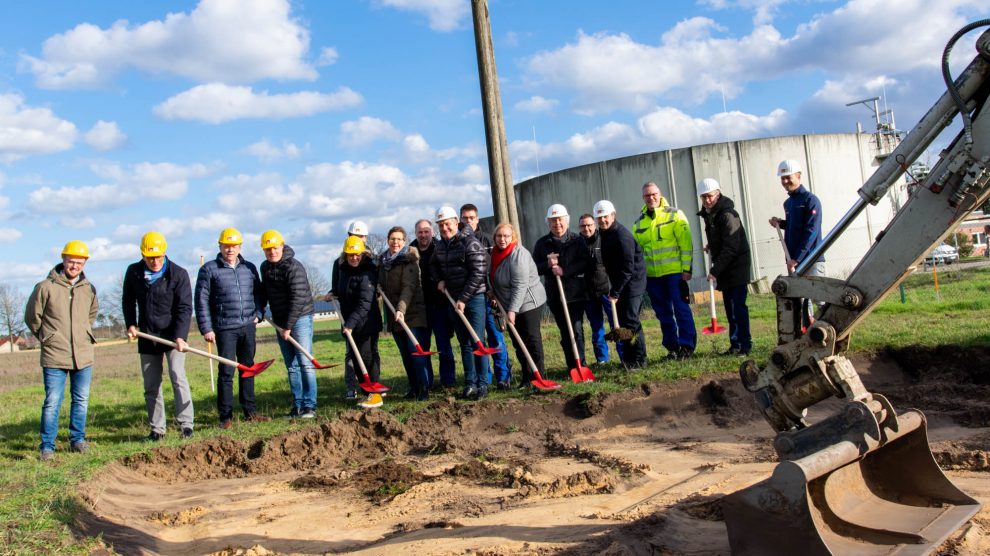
666 240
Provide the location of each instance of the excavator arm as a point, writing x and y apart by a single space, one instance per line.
864 480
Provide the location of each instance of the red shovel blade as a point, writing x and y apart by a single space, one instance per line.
372 387
419 351
256 369
483 350
540 383
713 329
316 364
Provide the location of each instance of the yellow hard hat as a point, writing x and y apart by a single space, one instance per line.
271 238
353 245
230 236
153 244
76 248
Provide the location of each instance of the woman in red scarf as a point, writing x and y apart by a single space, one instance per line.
515 284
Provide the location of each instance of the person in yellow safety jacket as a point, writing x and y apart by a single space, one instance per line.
665 235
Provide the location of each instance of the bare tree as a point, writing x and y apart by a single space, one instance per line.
376 243
12 304
111 313
319 283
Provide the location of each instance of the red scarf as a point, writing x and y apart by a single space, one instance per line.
499 255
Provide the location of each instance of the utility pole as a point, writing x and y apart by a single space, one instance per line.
500 175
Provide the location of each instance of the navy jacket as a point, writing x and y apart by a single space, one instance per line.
356 293
460 263
802 223
622 256
287 289
162 309
727 244
228 297
573 256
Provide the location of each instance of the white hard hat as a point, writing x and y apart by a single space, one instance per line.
556 211
358 228
603 208
708 185
445 213
788 167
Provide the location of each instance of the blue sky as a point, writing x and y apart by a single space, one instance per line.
119 117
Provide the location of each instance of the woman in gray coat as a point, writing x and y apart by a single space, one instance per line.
515 283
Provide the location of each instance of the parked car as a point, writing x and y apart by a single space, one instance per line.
941 255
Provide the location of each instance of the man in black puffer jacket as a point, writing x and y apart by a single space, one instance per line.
229 304
458 265
730 261
291 301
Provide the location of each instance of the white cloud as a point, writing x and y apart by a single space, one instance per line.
24 273
219 40
176 227
537 104
328 56
26 131
10 234
267 152
764 10
141 183
216 103
77 222
105 136
444 15
416 149
105 249
366 130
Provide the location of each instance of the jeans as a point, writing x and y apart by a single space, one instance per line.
476 373
152 369
416 366
438 319
54 392
302 376
676 319
597 311
500 359
632 352
575 310
237 344
737 313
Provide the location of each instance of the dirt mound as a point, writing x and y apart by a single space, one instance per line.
479 472
950 380
971 455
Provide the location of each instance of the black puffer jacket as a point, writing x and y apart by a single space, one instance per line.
460 263
356 294
727 244
287 289
429 285
573 257
162 309
622 256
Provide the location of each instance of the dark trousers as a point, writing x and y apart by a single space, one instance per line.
438 320
738 315
237 344
528 327
367 345
632 352
576 310
415 365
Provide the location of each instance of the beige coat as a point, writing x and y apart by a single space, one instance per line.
402 286
61 316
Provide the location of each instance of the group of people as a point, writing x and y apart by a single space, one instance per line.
458 281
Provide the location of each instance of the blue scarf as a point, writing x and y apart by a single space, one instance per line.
152 277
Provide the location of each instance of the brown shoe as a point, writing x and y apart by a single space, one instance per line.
255 418
226 424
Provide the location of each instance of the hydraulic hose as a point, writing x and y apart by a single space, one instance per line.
950 84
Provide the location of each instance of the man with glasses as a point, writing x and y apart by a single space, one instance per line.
60 313
665 235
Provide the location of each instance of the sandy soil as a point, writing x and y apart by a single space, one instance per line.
641 472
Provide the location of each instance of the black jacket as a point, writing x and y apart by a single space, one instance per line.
162 309
430 294
356 294
727 244
460 263
596 277
622 256
573 257
287 289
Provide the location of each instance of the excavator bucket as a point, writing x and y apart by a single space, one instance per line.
838 500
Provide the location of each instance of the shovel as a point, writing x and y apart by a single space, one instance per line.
366 384
579 373
787 254
714 328
246 372
538 382
617 334
412 338
316 364
481 349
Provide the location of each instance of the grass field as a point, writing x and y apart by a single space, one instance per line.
38 501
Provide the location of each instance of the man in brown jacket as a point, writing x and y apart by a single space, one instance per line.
60 313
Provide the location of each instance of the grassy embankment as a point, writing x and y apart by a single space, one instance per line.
37 500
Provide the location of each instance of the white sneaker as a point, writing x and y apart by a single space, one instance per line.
308 414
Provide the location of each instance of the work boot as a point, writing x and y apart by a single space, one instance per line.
469 392
46 455
79 447
187 432
226 424
686 352
154 436
482 393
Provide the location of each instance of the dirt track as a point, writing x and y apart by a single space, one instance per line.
641 472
